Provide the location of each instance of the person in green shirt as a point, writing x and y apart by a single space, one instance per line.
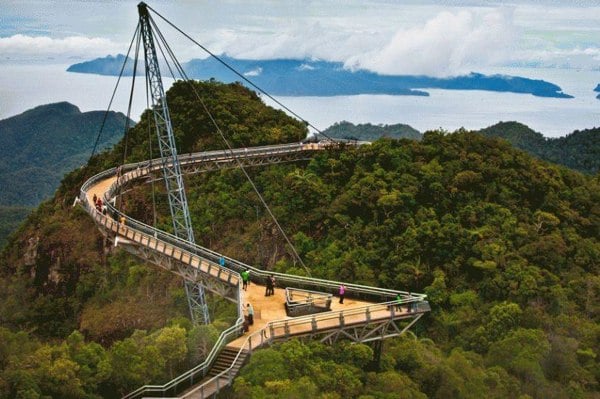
245 278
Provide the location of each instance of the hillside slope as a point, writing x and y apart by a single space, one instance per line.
369 132
579 150
40 145
505 245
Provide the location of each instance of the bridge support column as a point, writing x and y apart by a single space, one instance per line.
377 347
197 302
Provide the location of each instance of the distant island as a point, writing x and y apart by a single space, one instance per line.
369 132
289 77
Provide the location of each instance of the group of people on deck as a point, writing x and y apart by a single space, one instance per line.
100 206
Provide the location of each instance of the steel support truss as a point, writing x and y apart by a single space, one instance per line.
187 272
180 214
193 168
250 161
359 332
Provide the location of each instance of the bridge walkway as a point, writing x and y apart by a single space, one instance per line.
368 313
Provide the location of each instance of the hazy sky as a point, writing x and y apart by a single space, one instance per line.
411 37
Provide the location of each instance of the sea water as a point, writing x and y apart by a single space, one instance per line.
25 86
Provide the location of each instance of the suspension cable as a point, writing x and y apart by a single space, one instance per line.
119 206
151 154
162 39
239 74
113 94
230 148
135 63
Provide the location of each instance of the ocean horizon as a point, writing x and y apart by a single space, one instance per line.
25 86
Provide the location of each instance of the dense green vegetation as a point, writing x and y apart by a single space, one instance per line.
506 246
10 218
579 150
39 146
369 132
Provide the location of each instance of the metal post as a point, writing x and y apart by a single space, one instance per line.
180 214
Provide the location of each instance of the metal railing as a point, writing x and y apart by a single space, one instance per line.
194 254
282 329
300 302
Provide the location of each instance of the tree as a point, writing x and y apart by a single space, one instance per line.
171 344
521 352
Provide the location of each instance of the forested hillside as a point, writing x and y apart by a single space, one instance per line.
38 147
506 246
579 150
10 218
369 132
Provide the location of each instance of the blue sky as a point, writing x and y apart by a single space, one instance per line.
438 38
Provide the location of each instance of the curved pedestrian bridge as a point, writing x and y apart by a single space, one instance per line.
367 314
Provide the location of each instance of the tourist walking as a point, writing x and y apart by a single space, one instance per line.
342 293
250 310
270 286
245 278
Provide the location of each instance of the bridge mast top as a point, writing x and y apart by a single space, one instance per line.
182 225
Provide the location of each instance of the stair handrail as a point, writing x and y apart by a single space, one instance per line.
267 337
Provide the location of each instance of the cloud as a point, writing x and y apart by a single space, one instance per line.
297 40
448 44
44 46
587 58
254 72
306 67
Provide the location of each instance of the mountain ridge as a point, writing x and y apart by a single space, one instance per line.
40 145
504 245
579 150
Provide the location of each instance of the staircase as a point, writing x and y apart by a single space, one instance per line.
225 360
211 385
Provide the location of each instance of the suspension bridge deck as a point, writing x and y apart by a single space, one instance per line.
367 314
267 308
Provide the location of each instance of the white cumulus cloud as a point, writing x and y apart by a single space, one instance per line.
254 72
44 46
448 44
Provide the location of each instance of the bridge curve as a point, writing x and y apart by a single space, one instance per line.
370 313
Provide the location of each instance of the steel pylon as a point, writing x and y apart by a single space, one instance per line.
182 224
